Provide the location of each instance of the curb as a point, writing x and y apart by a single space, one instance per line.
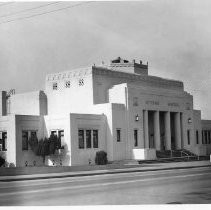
97 173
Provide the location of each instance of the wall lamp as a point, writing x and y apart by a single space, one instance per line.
189 120
136 118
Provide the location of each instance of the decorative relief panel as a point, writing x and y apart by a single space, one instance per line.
81 82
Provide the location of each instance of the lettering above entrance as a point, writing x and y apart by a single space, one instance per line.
152 102
173 104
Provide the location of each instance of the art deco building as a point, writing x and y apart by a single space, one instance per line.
118 108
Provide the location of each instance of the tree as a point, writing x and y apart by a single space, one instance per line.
45 147
2 161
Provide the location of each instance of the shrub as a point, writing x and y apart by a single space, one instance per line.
101 158
46 146
52 144
11 165
2 161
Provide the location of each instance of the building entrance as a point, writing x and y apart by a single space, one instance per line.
151 129
162 131
172 121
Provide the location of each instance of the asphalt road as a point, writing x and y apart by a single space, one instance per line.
181 186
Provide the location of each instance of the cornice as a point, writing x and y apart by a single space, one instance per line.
101 70
136 77
69 74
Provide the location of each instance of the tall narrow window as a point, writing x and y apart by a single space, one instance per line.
3 141
209 137
135 101
135 137
33 134
54 133
25 140
81 139
118 135
88 139
61 136
197 137
188 135
205 133
202 136
95 138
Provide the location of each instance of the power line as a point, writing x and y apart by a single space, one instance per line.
44 13
29 9
4 4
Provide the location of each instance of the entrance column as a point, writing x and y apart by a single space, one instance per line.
167 131
146 130
177 131
157 130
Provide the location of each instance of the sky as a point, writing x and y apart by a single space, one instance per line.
174 36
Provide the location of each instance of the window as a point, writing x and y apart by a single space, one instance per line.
135 137
118 135
209 137
67 84
61 136
188 135
25 140
135 101
205 135
197 137
95 138
81 82
54 133
202 136
33 134
55 86
88 139
81 139
3 141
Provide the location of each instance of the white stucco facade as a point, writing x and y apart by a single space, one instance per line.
117 108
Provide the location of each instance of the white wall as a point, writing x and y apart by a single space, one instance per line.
119 122
31 103
60 122
7 124
27 123
76 98
82 121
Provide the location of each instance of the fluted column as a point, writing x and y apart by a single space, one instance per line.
167 131
177 131
157 129
146 129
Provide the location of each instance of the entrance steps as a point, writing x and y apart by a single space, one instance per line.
181 155
174 153
178 155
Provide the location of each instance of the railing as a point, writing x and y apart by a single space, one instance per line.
182 156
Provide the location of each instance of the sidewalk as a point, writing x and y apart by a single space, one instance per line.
119 169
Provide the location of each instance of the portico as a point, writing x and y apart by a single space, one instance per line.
162 129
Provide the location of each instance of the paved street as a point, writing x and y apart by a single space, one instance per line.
185 186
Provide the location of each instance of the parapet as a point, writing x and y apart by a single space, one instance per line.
120 64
